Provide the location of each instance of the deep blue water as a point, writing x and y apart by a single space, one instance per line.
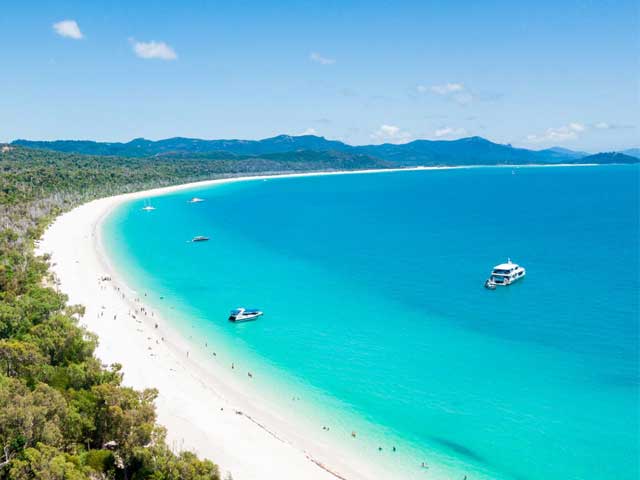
376 315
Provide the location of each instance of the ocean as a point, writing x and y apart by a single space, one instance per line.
376 320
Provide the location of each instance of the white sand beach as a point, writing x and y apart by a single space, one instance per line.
200 407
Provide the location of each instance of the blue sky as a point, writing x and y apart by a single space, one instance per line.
532 74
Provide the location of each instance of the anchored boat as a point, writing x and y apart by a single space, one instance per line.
148 207
244 315
505 274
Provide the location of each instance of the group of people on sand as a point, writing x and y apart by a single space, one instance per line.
146 313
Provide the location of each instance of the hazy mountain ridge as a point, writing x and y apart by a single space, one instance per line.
634 152
465 151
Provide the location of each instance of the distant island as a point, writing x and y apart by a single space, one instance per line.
312 149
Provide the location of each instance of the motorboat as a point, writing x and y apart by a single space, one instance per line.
241 314
199 238
196 200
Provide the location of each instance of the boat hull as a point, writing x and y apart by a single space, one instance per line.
509 281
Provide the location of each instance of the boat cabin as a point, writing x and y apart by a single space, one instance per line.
506 273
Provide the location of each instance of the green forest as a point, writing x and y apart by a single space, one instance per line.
63 415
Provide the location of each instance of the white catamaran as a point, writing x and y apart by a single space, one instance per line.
505 274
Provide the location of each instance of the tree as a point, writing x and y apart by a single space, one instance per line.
18 358
46 463
29 417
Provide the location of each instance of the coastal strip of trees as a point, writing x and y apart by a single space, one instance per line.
64 415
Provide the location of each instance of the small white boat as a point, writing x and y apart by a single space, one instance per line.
196 200
148 208
490 284
505 274
200 238
244 315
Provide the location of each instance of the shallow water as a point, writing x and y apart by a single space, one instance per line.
376 316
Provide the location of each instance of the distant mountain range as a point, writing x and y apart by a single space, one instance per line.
633 152
465 151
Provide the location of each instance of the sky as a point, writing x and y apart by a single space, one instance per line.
532 74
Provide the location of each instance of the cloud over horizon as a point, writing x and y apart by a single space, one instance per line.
611 126
574 131
448 132
68 29
559 134
154 50
390 134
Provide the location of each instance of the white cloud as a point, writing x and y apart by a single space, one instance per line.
154 49
447 88
611 126
316 57
462 98
391 134
570 131
449 132
309 131
68 29
453 91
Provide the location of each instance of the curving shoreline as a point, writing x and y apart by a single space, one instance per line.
198 405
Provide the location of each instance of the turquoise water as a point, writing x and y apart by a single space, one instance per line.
376 316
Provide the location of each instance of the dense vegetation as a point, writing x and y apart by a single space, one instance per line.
609 157
63 415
